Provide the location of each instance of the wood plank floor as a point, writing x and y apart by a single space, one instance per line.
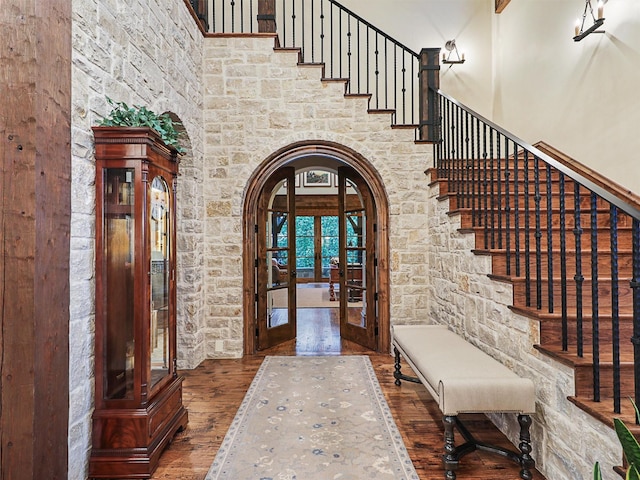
214 390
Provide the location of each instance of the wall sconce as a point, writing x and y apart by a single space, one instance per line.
580 32
453 56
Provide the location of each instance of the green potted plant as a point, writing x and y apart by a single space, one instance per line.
630 447
123 115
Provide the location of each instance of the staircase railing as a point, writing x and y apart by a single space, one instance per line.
348 46
554 224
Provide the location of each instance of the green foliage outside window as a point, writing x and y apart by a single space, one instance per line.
305 240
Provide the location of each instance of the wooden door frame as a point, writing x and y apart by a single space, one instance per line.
287 156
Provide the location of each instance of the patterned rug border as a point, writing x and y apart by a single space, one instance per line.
399 448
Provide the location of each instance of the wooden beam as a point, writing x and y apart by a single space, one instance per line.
267 16
501 5
35 159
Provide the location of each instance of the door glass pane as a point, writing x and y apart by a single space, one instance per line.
356 267
330 243
159 215
277 258
305 248
277 249
119 267
277 307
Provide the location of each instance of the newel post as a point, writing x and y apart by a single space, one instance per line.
267 16
429 79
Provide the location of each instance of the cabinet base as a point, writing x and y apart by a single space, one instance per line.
119 449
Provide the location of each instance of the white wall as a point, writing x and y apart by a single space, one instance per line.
580 97
430 23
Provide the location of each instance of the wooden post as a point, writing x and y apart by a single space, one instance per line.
429 78
35 213
267 16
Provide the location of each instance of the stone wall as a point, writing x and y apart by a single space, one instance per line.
240 101
566 441
257 101
147 53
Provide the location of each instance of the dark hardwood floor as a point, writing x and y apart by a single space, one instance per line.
214 390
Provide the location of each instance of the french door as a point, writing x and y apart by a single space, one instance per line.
276 260
357 273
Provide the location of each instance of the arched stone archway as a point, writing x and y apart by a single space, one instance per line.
306 153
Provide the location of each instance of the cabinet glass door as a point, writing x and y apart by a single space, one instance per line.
159 235
118 265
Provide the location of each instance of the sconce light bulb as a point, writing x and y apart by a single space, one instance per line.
577 29
600 10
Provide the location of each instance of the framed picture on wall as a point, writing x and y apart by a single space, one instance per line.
316 178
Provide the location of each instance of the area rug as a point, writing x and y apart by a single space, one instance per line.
310 418
310 297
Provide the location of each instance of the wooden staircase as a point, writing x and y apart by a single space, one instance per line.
527 254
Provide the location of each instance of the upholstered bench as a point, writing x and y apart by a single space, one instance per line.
464 379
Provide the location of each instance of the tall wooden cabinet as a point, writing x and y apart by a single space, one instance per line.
138 393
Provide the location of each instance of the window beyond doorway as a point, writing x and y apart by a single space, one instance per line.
316 245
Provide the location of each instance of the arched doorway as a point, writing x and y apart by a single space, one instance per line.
299 156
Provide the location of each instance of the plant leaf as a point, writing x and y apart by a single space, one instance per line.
122 115
632 473
629 443
597 474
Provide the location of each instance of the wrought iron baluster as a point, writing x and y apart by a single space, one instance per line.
615 307
293 24
635 285
331 38
595 321
313 36
377 74
340 43
458 157
477 219
579 279
499 187
302 42
550 285
233 16
284 23
386 75
563 264
527 231
485 183
516 206
538 232
413 93
368 63
349 53
321 31
507 206
466 181
492 188
359 54
404 88
251 17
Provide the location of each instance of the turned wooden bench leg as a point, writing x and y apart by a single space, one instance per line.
399 375
526 462
396 374
450 457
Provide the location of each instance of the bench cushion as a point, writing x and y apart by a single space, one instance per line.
461 377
